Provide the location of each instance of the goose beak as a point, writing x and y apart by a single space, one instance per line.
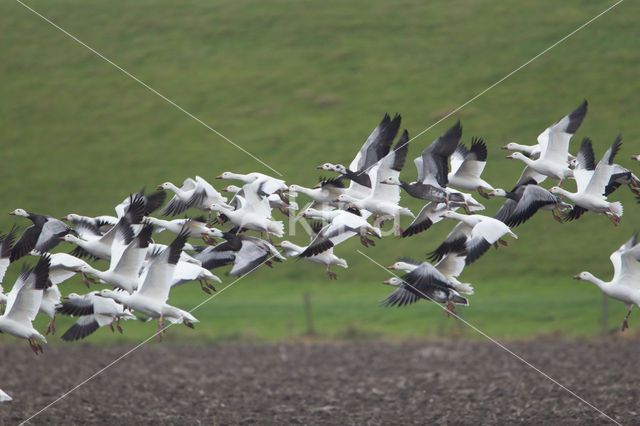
64 218
159 187
504 147
219 176
319 167
492 194
317 186
387 281
65 297
337 199
279 245
509 156
635 157
13 213
391 267
225 189
577 277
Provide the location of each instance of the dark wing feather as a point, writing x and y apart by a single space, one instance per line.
25 243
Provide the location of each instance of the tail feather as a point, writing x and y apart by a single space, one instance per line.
616 208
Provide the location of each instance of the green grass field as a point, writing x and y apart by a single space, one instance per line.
301 83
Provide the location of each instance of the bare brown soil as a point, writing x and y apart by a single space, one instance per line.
330 383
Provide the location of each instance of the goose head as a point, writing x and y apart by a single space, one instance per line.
394 281
166 185
327 166
391 180
231 188
498 192
511 146
402 266
19 212
518 156
584 276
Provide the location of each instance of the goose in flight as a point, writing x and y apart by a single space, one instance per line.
43 235
343 224
591 183
93 312
383 200
423 282
625 284
151 297
196 193
525 200
450 266
433 169
554 143
326 258
23 302
375 148
467 165
479 233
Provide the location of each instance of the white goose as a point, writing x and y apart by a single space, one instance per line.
255 212
326 258
275 202
383 200
196 193
467 165
323 194
23 302
591 184
196 227
554 142
625 284
343 224
127 256
151 298
479 233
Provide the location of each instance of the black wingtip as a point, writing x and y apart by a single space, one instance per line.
576 117
41 272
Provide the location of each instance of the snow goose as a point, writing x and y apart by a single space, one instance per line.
374 148
23 302
554 142
151 298
432 168
92 243
524 201
211 257
323 194
196 193
467 165
184 257
383 200
62 266
127 256
479 232
94 312
250 252
450 266
624 286
531 151
591 183
255 212
424 282
275 202
622 176
186 272
326 258
268 185
196 227
43 235
343 224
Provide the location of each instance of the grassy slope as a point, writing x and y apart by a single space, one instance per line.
301 83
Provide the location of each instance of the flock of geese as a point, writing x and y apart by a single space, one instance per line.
141 273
